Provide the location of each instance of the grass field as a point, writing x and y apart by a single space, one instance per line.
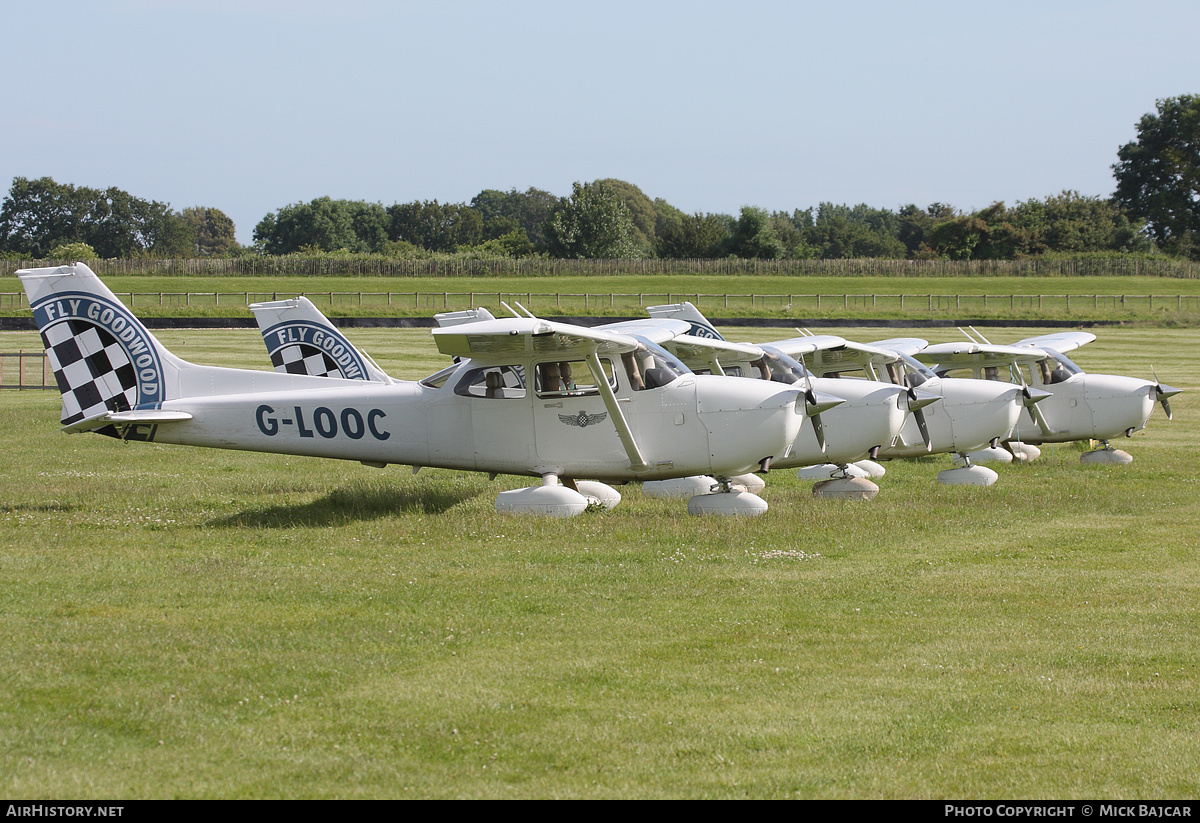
193 623
1159 300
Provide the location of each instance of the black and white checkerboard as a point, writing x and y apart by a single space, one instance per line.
92 370
303 359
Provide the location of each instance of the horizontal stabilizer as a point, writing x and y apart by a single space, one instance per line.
135 417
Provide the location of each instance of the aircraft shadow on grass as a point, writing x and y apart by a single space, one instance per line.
352 503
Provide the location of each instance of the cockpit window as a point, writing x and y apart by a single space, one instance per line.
570 378
651 366
1056 368
915 372
438 379
779 367
492 382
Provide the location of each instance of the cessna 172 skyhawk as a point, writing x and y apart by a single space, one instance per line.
873 416
971 415
1082 406
117 379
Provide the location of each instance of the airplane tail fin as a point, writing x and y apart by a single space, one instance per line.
302 340
688 312
104 359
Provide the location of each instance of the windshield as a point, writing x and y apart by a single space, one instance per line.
913 371
1056 368
438 379
651 366
780 368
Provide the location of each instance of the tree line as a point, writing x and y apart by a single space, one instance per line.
1155 209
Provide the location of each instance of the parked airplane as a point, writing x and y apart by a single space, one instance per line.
629 411
971 415
865 426
1083 406
874 418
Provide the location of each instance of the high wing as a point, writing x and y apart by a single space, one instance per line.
1060 341
828 355
903 345
713 353
969 354
528 336
655 330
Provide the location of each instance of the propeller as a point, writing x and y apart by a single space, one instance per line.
1032 398
1162 393
917 401
815 404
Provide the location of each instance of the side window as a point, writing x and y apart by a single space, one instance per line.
569 378
966 372
493 382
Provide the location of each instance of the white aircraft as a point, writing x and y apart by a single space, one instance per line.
301 340
1082 406
477 415
865 426
972 414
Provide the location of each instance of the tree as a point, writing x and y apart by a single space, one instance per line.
1073 223
1158 174
754 236
593 222
641 211
855 231
503 212
690 236
213 233
40 214
73 252
435 226
325 225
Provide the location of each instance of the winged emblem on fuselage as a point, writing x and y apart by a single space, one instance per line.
583 419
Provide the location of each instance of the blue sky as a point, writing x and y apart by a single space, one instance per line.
250 106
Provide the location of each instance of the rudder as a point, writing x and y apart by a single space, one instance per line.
104 360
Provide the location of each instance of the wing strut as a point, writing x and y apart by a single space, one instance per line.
636 461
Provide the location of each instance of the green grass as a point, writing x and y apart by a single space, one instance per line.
194 623
1176 302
